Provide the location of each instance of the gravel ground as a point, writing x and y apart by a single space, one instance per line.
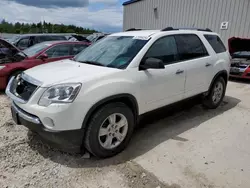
27 162
188 147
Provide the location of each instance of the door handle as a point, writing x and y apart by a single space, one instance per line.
179 71
208 64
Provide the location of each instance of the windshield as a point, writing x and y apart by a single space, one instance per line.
112 51
14 39
33 50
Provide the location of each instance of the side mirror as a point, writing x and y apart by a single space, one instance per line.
152 63
43 56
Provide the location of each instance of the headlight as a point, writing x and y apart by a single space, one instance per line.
1 67
63 93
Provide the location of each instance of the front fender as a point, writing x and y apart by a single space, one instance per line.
95 92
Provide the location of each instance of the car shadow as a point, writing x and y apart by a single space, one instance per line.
154 128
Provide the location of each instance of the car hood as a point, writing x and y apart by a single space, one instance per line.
6 45
7 53
67 71
238 45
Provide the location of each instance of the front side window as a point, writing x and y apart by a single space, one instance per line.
164 49
58 51
112 51
49 38
23 43
190 47
216 43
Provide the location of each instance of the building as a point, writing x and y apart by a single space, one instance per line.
227 17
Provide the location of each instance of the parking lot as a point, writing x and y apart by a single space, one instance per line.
178 147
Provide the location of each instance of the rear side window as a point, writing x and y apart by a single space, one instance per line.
49 38
58 38
216 43
39 39
77 48
190 47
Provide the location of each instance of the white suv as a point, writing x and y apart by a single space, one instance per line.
93 101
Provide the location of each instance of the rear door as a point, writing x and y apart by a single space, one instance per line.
197 63
221 53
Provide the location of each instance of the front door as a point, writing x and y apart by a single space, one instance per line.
160 87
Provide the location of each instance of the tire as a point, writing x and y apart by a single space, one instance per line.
209 101
96 144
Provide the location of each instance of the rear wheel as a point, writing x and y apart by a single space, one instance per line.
216 94
109 130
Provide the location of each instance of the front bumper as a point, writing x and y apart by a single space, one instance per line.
245 75
242 73
68 141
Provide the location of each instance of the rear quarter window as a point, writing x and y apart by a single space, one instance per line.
216 43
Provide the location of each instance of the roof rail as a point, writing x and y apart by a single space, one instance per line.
198 29
133 29
207 29
168 29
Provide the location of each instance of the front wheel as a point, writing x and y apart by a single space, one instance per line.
216 94
109 130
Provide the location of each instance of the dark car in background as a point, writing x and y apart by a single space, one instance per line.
13 61
95 37
25 41
75 37
239 49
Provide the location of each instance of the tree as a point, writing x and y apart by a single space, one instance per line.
41 27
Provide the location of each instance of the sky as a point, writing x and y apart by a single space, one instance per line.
102 15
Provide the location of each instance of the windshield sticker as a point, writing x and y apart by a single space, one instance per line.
141 38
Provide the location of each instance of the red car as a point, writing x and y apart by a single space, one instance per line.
239 49
13 61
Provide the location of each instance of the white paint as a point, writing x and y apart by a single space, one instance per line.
152 88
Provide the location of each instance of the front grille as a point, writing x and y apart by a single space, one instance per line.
22 89
248 74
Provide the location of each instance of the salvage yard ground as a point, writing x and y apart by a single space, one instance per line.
181 147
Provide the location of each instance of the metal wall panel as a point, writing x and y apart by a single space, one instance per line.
191 13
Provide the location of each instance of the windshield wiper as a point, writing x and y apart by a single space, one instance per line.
92 63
